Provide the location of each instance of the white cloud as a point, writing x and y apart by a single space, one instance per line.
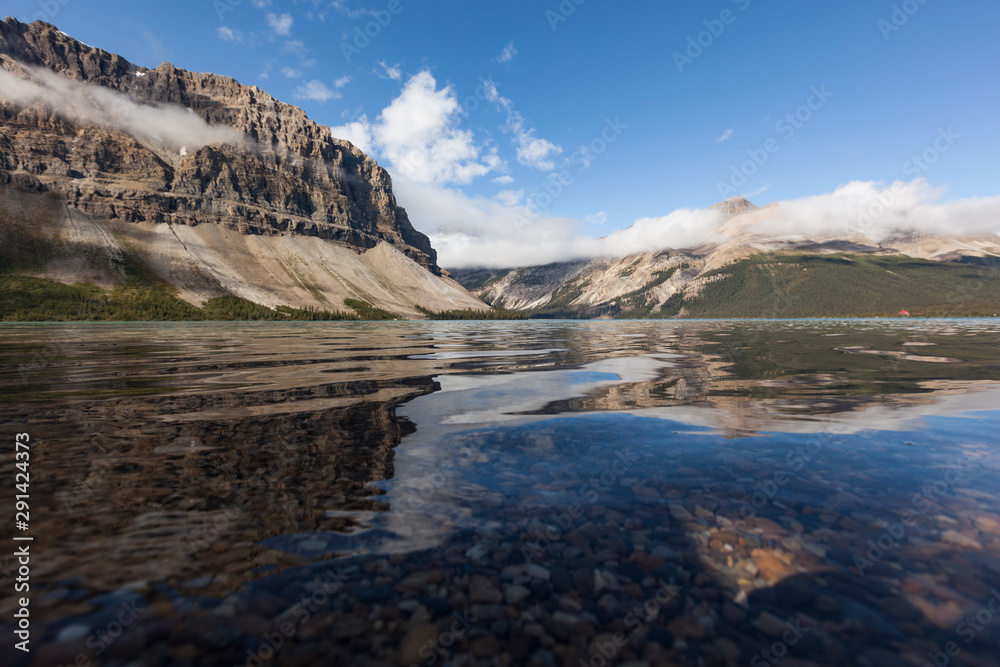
726 136
508 55
84 103
342 81
358 132
295 47
469 231
281 25
228 34
506 179
510 197
291 72
316 91
598 218
531 151
419 135
879 211
535 153
261 4
683 228
342 8
874 210
474 231
387 71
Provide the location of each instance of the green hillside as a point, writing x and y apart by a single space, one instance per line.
27 299
799 285
856 285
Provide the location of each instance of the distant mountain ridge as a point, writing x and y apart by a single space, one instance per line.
267 217
744 272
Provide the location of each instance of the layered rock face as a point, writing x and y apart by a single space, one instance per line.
281 174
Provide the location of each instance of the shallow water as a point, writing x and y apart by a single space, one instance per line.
530 493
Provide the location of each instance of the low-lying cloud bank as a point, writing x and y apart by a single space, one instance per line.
78 102
878 211
477 232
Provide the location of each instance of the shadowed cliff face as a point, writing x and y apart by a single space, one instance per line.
288 175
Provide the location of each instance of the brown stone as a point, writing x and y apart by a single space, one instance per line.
686 627
485 647
647 562
961 540
988 524
770 566
482 590
409 650
770 625
644 494
680 513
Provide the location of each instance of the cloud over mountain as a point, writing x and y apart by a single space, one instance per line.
81 102
473 232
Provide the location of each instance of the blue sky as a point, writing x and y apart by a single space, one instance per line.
682 125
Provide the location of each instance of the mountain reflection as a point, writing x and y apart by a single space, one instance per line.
190 463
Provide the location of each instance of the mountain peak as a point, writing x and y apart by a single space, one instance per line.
735 206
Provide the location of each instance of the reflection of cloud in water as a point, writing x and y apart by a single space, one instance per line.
901 355
435 468
492 399
880 413
478 354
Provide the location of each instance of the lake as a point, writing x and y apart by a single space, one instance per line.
506 493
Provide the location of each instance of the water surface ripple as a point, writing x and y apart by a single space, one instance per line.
508 493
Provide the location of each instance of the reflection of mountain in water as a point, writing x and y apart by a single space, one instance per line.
742 382
161 498
206 458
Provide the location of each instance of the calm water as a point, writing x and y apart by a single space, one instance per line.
561 493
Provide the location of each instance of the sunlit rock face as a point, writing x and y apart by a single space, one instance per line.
280 171
222 188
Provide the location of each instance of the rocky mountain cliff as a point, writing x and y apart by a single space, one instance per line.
748 271
245 195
